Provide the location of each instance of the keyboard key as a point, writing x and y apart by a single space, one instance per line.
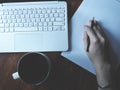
61 15
40 23
16 24
25 12
50 23
36 15
42 19
50 28
46 15
6 25
17 16
53 11
56 15
58 23
5 21
1 25
32 15
41 15
19 20
10 12
52 19
1 29
45 24
60 19
9 21
31 24
39 11
35 24
43 11
6 29
1 12
62 28
47 19
45 28
56 28
48 10
20 24
14 20
11 29
11 24
29 11
0 16
23 20
40 29
26 25
15 12
51 15
24 29
37 20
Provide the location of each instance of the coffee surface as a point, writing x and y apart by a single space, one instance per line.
33 68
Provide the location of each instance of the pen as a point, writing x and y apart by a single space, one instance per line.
88 44
92 23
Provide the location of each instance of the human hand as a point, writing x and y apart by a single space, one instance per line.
96 43
98 50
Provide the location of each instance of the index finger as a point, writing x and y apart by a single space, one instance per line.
90 32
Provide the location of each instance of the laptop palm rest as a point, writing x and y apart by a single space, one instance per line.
6 42
28 42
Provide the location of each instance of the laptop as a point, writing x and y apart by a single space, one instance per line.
38 26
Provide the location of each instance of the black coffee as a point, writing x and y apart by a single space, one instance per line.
33 68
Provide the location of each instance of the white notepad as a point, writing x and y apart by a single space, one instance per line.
107 12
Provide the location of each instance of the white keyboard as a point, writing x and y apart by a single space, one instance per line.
30 17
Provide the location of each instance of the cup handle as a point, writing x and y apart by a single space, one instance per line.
15 75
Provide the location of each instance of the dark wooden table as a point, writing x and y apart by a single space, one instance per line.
64 76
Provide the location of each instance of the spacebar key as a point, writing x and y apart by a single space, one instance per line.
25 29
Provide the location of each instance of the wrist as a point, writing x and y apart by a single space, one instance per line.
102 64
103 69
104 76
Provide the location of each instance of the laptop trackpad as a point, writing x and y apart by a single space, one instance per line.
28 42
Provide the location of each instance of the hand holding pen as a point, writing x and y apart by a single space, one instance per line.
97 49
95 41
